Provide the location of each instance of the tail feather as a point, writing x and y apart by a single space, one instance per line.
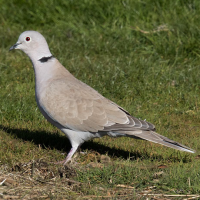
156 138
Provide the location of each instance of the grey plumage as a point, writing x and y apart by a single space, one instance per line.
77 109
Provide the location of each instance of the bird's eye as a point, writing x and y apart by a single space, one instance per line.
28 39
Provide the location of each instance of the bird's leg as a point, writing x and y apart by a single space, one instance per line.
69 155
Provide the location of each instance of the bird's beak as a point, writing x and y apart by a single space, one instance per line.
14 46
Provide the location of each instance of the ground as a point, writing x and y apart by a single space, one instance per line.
144 56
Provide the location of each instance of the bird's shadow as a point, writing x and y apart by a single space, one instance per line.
61 143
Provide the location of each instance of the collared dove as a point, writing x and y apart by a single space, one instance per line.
78 110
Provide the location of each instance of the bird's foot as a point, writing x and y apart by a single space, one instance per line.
69 156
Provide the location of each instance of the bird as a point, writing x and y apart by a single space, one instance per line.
77 109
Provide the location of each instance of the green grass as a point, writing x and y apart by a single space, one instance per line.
115 47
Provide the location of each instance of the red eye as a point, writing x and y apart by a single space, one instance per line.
28 39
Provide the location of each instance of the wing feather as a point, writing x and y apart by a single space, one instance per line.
77 106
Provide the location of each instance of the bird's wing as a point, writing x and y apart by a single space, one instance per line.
77 106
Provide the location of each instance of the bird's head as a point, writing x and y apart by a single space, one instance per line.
33 44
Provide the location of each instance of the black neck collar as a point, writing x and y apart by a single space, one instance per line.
45 59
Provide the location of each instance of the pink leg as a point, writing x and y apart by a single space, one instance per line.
69 155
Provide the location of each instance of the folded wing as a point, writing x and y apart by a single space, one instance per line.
77 106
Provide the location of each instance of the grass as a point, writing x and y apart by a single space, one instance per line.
143 55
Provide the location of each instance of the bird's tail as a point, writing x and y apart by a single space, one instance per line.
156 138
